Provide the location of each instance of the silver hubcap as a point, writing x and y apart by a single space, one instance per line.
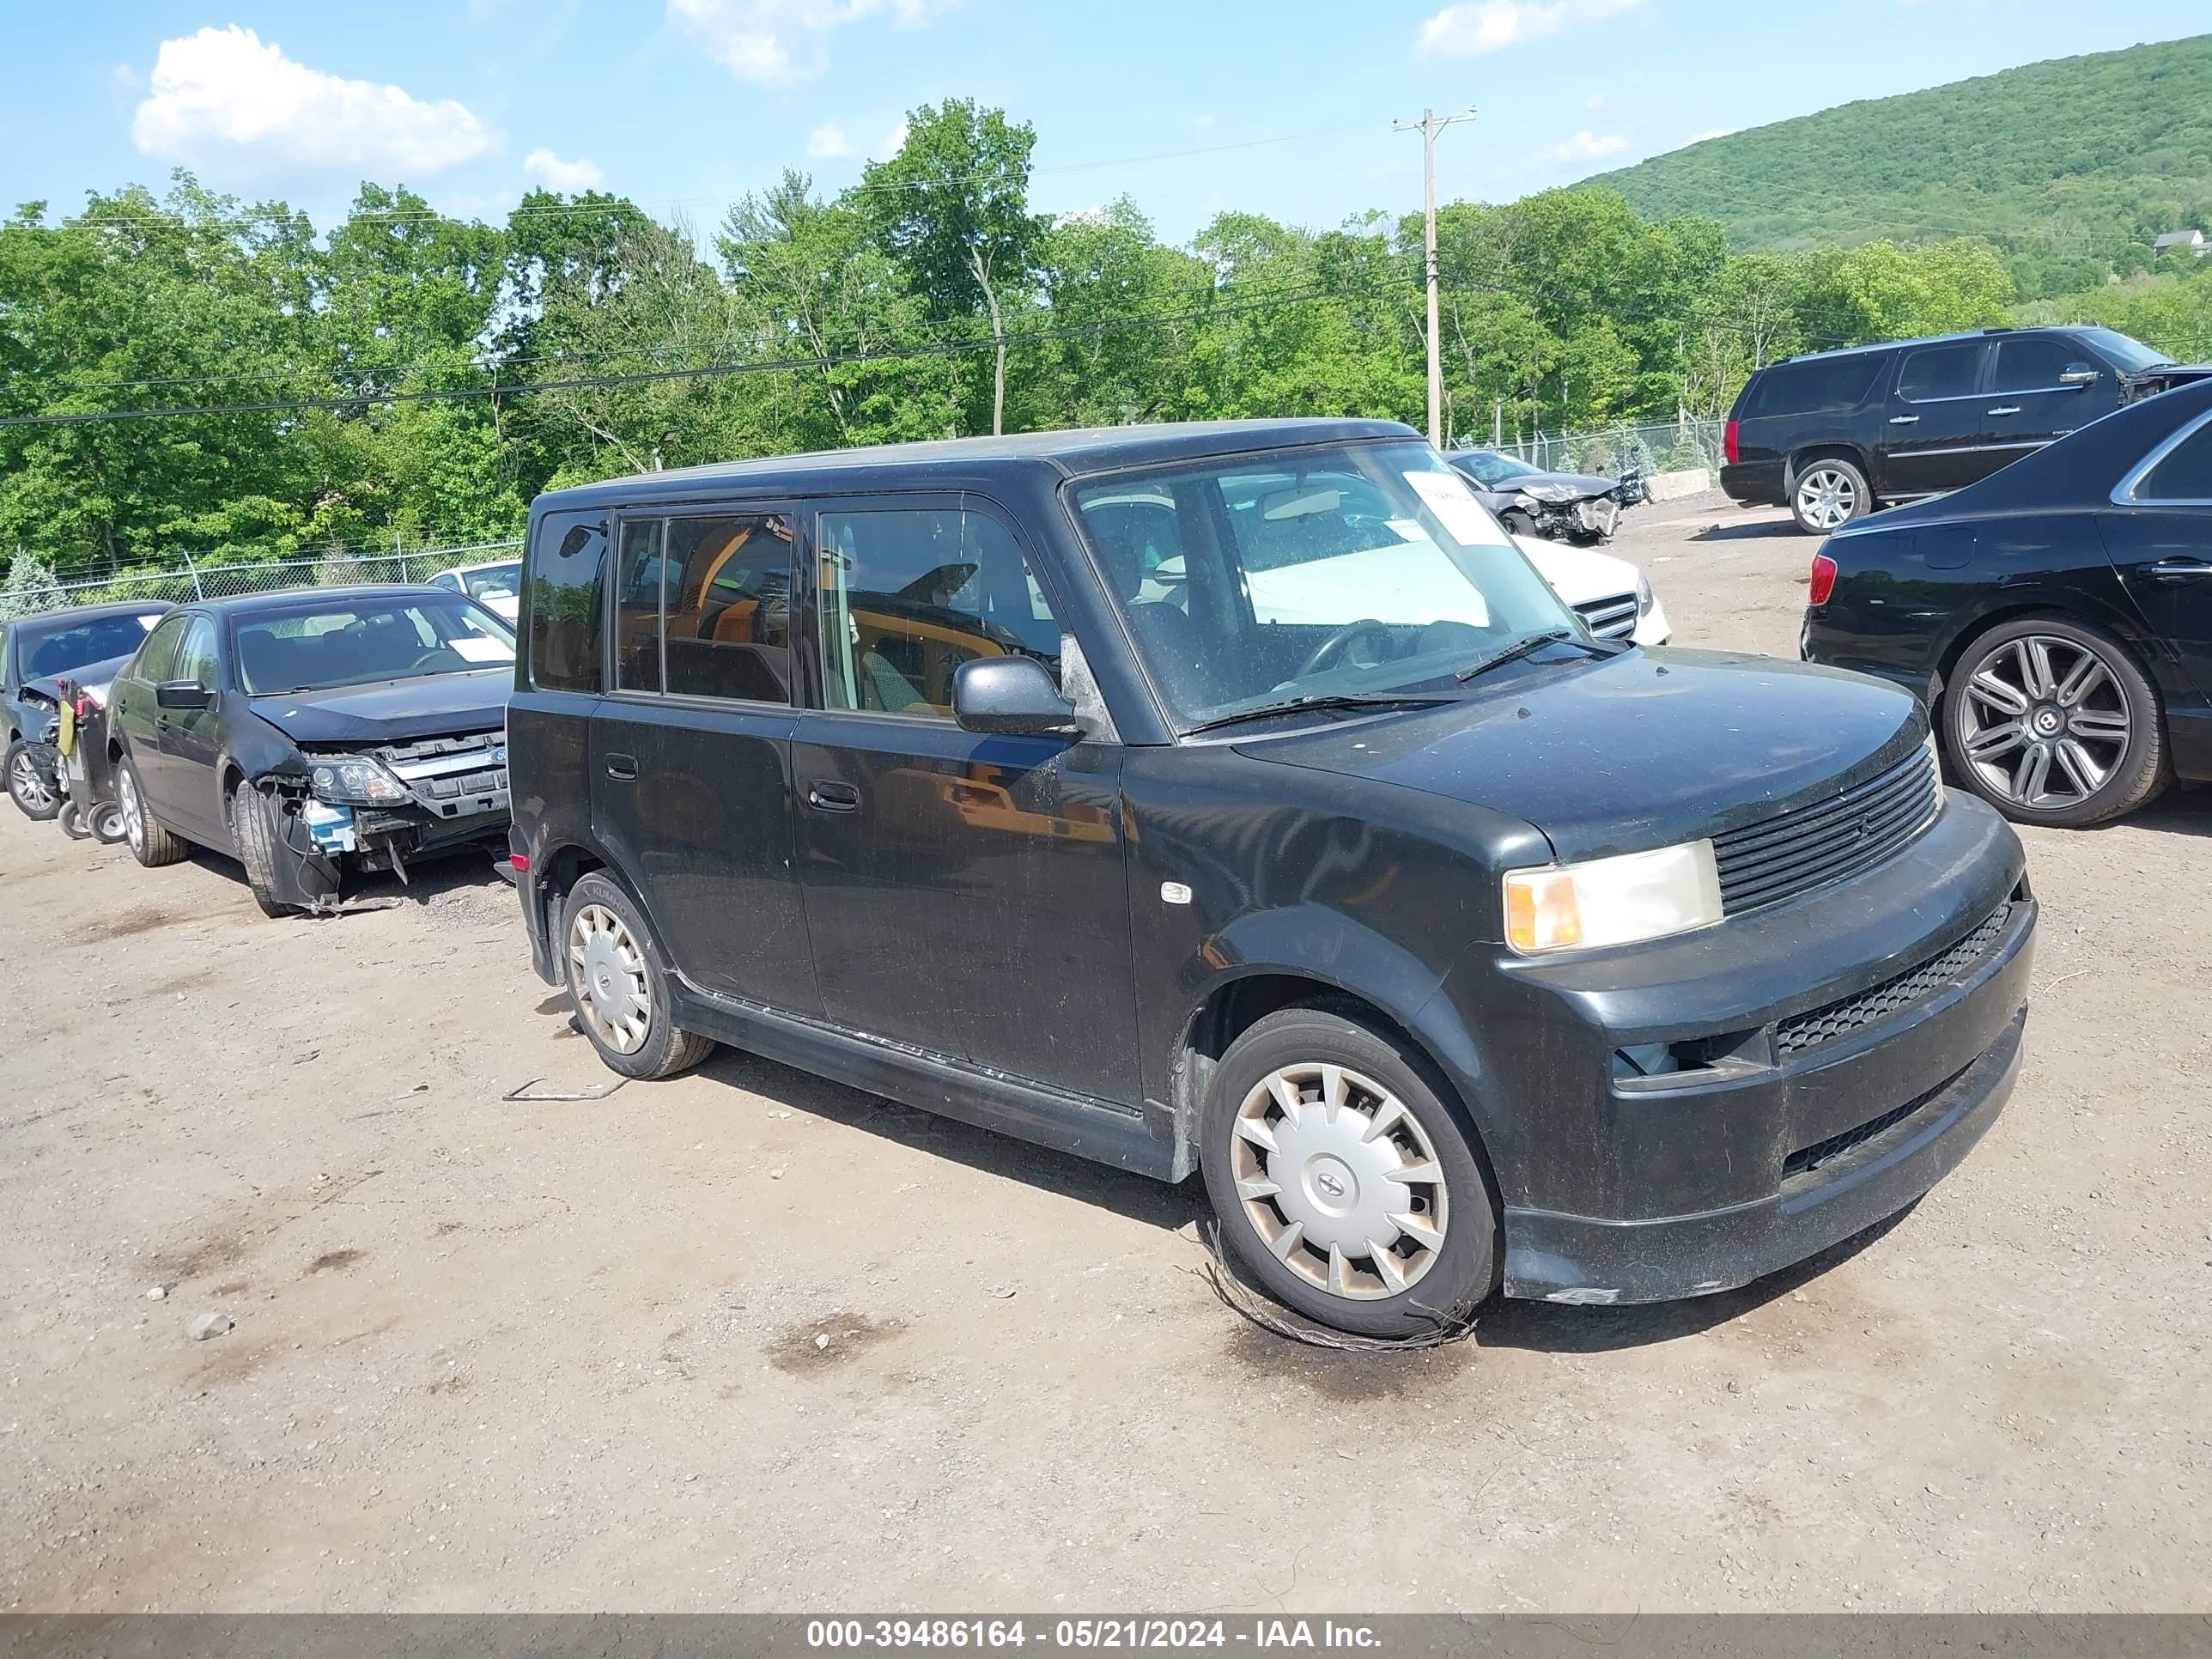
2044 721
1339 1180
606 975
29 788
1826 499
134 823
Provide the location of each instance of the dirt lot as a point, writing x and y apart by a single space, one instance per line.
496 1355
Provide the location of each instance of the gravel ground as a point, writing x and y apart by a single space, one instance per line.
497 1355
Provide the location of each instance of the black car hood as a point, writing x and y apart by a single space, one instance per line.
1643 750
1584 483
393 711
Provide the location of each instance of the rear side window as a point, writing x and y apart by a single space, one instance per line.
160 650
728 602
1940 372
2186 474
566 632
1821 385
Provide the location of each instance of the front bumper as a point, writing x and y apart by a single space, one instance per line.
1836 1055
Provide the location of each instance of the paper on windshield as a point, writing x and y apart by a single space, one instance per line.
1446 494
470 649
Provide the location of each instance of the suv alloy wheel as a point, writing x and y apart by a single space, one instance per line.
1828 494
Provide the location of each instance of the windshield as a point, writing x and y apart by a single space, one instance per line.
494 581
1350 570
2130 356
366 639
1492 468
64 645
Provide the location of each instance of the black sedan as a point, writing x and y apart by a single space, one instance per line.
1581 507
309 732
2057 617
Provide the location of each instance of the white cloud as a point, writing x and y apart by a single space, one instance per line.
125 74
1486 25
566 177
1201 122
223 102
890 143
776 42
1596 101
1588 146
828 142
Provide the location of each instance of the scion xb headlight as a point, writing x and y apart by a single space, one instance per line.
355 781
1616 901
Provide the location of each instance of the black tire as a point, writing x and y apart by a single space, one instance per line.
30 773
70 818
658 1048
1826 493
106 825
1515 522
258 827
1452 1279
2134 767
150 844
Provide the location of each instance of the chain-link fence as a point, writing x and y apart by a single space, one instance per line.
222 581
1670 447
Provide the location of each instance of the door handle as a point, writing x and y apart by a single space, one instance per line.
1904 420
2181 567
623 769
2009 409
827 795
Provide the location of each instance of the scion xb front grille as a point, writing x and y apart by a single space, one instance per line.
1829 840
1609 618
1893 996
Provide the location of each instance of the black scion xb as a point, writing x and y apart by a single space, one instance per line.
1236 799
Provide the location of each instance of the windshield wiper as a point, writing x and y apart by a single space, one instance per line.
1521 648
1322 700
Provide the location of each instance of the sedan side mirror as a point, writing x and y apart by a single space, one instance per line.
1011 695
182 694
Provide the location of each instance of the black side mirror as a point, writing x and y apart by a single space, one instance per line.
182 694
1011 695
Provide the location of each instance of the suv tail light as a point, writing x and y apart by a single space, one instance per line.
1730 450
1823 580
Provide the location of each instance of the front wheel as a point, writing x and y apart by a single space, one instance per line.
619 983
1344 1183
259 825
31 783
2055 723
1828 494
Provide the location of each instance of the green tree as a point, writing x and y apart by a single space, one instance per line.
951 209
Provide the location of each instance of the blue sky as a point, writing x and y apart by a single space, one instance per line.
684 104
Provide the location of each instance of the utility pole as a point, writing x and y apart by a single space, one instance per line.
1429 126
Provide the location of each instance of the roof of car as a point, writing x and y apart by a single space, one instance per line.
1071 454
289 599
77 613
1894 345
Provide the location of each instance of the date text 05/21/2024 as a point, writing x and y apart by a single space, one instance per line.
1124 1632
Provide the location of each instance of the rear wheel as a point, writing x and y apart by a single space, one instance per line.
150 844
1343 1182
1828 494
31 779
619 983
2053 723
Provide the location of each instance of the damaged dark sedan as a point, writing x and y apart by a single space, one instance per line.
310 733
1581 507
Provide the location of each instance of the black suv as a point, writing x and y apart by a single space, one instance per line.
1236 799
1836 434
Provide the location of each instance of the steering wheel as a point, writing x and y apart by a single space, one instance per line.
1338 646
428 659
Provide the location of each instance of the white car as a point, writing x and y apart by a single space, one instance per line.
497 587
1613 598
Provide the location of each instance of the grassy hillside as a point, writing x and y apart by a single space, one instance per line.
2070 166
